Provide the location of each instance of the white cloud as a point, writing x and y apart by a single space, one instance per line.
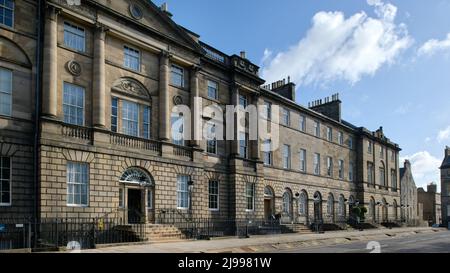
425 168
444 135
337 48
403 109
433 46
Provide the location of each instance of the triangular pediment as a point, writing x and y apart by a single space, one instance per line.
146 13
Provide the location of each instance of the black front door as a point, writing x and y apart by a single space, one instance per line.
134 206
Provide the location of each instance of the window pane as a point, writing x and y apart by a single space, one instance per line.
177 76
6 12
182 191
74 37
130 121
73 104
5 92
212 90
177 129
77 184
132 58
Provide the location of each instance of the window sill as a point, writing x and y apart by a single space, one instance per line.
6 205
214 210
179 87
77 206
83 53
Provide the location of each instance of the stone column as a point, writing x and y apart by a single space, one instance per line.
99 98
235 102
255 147
196 120
50 65
164 106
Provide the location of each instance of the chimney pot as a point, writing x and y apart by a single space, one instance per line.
165 7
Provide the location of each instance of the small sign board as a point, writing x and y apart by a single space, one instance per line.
19 225
2 228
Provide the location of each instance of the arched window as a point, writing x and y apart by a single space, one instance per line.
268 192
136 176
330 205
287 202
303 204
341 207
382 175
372 208
317 206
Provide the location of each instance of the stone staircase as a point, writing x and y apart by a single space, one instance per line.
295 228
163 233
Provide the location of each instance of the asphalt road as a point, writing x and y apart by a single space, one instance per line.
438 242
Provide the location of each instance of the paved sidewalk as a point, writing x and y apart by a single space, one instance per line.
265 243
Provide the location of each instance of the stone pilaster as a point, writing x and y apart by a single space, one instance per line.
50 69
235 102
164 105
196 132
99 98
255 147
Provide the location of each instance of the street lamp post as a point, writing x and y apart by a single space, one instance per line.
190 189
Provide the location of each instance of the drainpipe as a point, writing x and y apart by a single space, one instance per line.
38 91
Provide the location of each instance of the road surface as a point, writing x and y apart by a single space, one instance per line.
438 242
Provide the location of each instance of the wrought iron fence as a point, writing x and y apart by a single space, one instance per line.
15 233
217 225
83 233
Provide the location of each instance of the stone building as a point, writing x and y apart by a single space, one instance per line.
445 187
431 201
108 141
19 79
409 204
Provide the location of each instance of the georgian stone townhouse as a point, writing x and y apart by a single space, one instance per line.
86 99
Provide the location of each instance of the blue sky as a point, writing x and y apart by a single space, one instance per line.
389 60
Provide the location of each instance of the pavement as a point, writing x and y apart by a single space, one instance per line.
276 243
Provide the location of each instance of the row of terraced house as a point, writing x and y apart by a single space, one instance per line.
87 127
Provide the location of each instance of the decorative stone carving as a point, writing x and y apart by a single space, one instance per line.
136 11
74 68
177 100
132 87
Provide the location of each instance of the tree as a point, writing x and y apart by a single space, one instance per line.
360 212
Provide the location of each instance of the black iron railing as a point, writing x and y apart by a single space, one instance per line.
56 233
216 226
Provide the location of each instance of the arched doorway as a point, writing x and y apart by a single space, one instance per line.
303 207
269 203
351 205
395 207
136 196
317 207
287 206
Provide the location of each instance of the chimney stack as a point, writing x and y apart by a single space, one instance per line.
243 55
165 8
